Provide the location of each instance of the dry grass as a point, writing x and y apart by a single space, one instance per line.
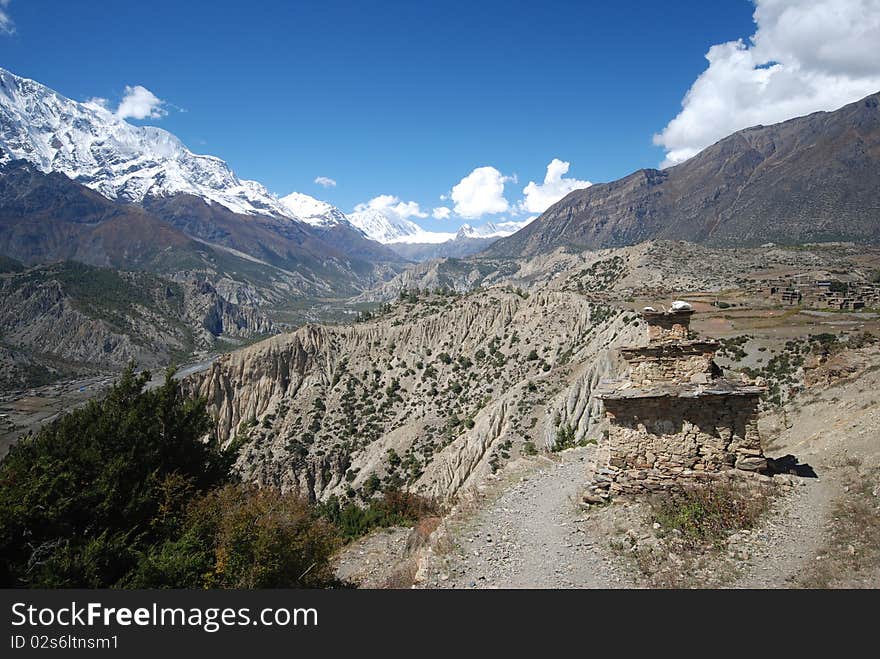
403 576
421 533
706 514
691 526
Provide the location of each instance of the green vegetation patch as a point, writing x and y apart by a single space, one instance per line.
705 514
124 493
394 508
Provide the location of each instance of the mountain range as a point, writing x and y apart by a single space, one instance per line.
121 161
151 167
79 184
82 183
809 179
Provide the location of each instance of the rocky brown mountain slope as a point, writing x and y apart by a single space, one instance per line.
810 179
49 217
661 265
335 260
70 316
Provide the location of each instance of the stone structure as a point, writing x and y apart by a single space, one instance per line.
675 418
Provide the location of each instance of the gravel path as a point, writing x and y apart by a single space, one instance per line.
784 547
532 536
528 532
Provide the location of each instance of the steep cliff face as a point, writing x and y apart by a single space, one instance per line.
101 319
435 395
575 407
220 317
43 318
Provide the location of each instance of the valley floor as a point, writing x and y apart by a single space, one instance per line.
27 411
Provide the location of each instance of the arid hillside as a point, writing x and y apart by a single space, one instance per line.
69 318
436 393
438 390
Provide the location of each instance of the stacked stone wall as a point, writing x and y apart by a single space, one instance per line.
668 327
655 443
671 369
675 420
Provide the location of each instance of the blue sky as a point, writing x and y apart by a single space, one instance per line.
393 98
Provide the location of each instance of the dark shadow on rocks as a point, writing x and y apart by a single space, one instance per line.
788 464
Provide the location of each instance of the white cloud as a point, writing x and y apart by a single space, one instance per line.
6 24
805 56
539 197
325 181
390 205
97 101
480 193
140 103
441 213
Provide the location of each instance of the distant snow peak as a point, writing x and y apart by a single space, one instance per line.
466 231
383 227
491 229
312 211
426 238
389 229
95 147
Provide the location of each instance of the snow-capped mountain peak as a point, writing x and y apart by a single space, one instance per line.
465 231
390 230
313 211
94 147
384 228
491 229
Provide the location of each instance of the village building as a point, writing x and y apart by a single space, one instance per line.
674 417
823 293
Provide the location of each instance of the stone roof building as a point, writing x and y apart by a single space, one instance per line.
675 417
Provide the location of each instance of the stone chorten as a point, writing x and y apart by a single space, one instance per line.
675 418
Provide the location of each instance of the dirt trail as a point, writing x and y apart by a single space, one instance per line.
526 530
836 430
531 536
784 547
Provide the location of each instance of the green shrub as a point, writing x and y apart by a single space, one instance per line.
565 438
395 508
243 536
393 458
80 500
371 485
706 513
124 493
